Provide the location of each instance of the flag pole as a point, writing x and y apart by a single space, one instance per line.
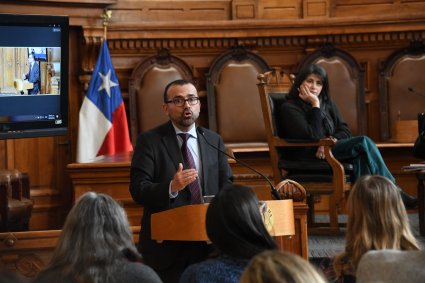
107 15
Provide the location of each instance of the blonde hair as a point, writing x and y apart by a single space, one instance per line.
280 267
377 219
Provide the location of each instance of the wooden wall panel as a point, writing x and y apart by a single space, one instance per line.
168 10
316 8
349 8
40 157
275 9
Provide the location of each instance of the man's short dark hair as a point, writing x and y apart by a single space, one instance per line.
173 83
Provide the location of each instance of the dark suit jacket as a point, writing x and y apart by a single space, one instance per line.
155 162
33 76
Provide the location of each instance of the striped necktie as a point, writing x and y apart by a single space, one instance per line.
194 187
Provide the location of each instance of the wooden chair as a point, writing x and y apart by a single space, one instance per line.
402 90
15 202
231 83
346 84
290 189
146 88
318 177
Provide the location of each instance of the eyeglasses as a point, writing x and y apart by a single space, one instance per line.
180 101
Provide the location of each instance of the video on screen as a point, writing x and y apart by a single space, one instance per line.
33 63
30 71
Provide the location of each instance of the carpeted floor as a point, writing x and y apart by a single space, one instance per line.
328 246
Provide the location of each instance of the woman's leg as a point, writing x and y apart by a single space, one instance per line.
362 152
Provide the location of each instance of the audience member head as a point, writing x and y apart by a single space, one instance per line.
96 234
235 224
31 57
303 74
280 267
377 218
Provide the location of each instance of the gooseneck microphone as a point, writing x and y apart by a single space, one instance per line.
412 90
274 192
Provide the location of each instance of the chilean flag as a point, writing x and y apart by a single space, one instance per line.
103 125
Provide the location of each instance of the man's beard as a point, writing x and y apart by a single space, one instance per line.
186 122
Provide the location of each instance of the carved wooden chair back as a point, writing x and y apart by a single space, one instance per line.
402 89
233 102
146 88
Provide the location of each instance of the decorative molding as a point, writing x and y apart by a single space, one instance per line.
365 65
200 44
28 265
66 3
70 2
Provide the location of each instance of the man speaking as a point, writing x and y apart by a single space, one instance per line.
172 167
33 75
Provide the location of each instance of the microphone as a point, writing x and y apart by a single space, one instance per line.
412 90
274 192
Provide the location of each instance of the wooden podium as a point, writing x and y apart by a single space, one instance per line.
166 225
22 85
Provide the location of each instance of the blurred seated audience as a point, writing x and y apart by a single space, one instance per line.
235 226
97 246
392 266
280 267
377 220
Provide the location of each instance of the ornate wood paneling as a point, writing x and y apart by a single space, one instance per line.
44 159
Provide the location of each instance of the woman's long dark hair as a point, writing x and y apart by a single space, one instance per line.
235 225
324 97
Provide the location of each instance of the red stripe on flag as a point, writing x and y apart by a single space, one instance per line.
117 140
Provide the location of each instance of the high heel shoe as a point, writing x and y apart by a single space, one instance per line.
408 200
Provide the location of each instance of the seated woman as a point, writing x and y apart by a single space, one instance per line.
96 245
377 220
280 267
235 227
310 113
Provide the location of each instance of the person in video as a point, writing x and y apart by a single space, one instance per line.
33 75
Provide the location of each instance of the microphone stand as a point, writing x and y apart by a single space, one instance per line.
412 90
274 191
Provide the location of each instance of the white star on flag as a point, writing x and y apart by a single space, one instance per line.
107 83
